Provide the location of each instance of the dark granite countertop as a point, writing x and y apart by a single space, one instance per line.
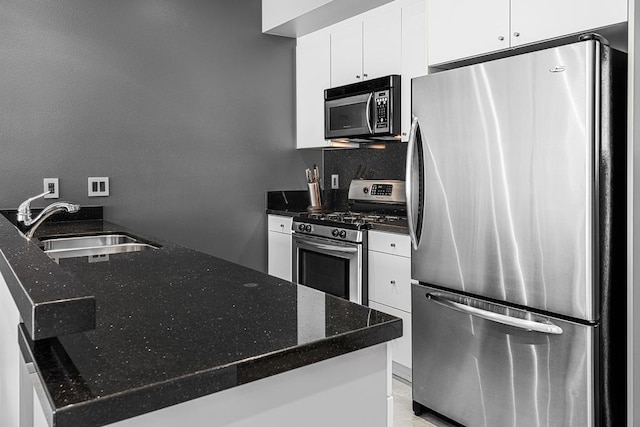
293 213
173 324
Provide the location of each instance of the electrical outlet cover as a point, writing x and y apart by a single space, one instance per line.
50 184
98 186
334 182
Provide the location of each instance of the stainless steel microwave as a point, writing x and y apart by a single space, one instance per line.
363 111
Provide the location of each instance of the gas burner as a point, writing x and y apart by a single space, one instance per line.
353 218
350 218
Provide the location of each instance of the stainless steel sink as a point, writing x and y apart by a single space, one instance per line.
92 245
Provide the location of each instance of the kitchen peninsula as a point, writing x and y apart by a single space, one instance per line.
184 337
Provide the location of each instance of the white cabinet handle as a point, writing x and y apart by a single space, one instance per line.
500 38
393 282
358 76
516 34
393 245
365 75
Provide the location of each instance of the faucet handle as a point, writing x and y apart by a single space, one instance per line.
25 207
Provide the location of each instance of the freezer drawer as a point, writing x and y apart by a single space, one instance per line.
480 371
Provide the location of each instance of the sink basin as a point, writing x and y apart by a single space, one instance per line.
92 245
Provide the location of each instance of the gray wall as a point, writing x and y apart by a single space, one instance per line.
184 104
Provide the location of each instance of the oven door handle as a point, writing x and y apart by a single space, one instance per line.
331 247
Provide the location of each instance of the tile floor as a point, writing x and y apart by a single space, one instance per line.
403 408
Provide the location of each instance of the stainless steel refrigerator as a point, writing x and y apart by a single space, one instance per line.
516 189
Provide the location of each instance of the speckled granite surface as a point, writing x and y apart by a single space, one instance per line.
51 301
173 324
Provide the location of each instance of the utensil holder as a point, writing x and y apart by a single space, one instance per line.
314 195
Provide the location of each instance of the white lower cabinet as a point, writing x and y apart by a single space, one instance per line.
279 246
400 347
10 359
390 290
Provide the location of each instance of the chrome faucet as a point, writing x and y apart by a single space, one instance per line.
25 222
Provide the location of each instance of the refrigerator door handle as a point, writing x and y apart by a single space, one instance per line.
411 148
528 325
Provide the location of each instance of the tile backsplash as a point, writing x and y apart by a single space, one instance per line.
362 163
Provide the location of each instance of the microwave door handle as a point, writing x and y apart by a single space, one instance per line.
411 148
527 325
369 113
332 247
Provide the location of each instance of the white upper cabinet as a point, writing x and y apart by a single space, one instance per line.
346 54
313 76
545 19
462 28
414 56
465 28
381 44
366 46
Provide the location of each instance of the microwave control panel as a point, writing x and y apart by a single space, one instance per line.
382 102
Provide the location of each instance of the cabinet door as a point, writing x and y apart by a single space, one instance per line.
346 53
400 347
381 44
456 30
312 78
533 21
414 56
279 257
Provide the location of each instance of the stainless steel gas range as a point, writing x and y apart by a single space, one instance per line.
330 248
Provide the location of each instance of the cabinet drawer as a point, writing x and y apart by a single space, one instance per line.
390 280
400 347
390 243
280 224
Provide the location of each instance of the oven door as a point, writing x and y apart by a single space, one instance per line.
335 267
348 116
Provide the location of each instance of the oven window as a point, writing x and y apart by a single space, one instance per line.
326 273
347 117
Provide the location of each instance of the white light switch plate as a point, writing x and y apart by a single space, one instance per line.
98 186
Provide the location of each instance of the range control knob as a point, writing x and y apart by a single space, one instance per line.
307 228
365 190
343 234
335 232
301 227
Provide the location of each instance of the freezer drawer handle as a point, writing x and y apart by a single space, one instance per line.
529 325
